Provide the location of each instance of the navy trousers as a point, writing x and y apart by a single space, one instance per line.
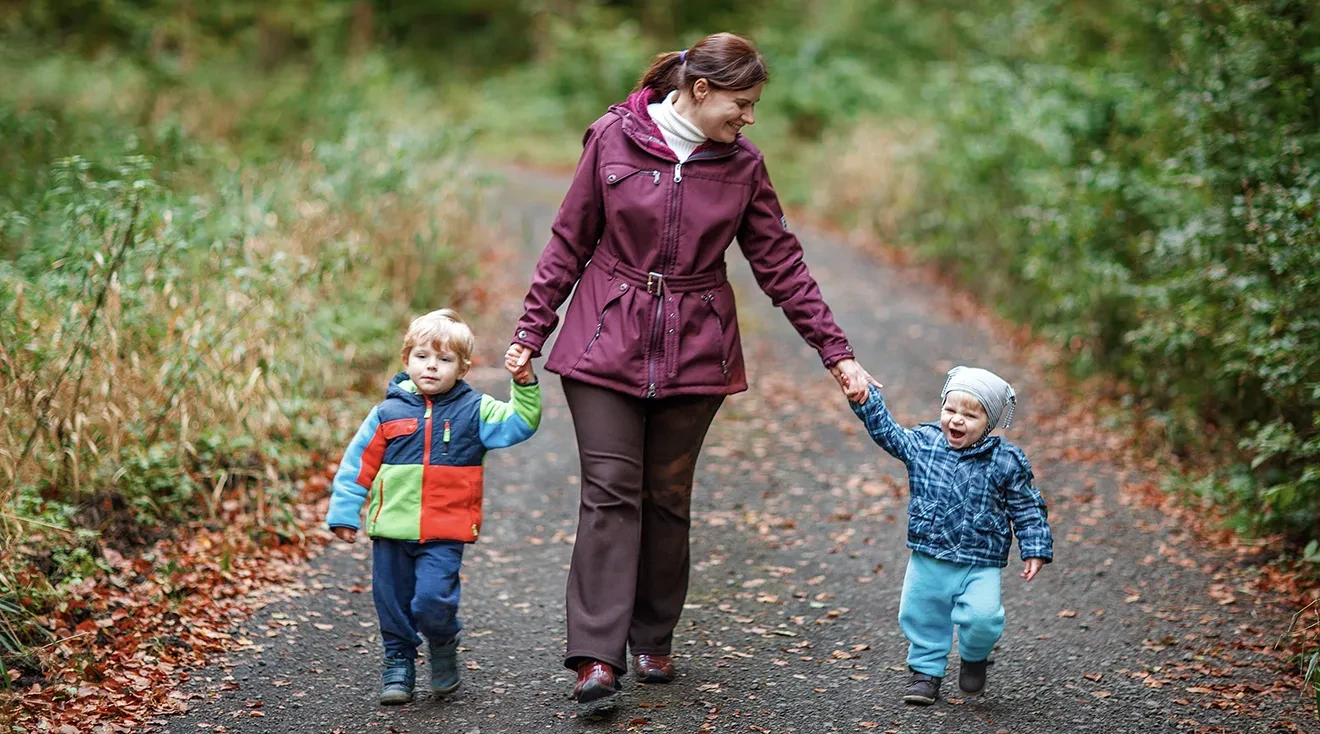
416 588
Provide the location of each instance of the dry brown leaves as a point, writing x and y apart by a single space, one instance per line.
125 639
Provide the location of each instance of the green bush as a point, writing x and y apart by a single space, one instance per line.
1154 208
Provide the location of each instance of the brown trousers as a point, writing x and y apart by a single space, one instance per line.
629 575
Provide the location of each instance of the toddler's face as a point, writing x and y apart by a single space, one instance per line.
434 370
962 419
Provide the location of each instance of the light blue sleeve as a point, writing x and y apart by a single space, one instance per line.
898 441
360 463
505 424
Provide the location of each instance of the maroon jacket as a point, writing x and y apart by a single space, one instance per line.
643 239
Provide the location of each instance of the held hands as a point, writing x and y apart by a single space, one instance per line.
348 535
1032 567
518 361
853 379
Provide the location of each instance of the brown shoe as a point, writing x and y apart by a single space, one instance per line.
595 680
654 668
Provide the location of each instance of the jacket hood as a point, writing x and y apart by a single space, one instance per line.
638 125
402 388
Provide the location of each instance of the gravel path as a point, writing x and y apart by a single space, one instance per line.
791 623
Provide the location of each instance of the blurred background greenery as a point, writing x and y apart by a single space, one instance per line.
204 203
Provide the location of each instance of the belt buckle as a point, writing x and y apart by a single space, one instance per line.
655 283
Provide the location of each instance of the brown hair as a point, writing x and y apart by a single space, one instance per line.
724 60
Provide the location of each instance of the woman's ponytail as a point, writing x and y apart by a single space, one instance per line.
664 74
724 60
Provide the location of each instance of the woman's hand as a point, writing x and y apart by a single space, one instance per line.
517 357
853 379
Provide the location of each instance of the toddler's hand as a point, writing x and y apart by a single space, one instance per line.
348 535
1032 567
518 361
524 375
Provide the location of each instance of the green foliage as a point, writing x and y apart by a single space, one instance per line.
1154 208
184 287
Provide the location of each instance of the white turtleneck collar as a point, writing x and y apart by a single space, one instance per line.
680 134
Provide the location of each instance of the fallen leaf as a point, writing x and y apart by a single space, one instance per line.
1068 613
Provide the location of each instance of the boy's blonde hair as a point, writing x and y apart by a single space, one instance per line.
440 329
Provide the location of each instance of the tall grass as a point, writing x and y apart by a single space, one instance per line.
191 279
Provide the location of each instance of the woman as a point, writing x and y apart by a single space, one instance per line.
650 343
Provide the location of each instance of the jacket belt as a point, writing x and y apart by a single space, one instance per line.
657 283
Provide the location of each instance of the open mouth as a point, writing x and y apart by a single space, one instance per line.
956 434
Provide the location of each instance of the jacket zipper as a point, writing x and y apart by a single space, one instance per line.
616 180
446 437
670 212
426 447
380 498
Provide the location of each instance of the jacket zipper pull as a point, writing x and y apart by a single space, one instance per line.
678 172
656 175
446 437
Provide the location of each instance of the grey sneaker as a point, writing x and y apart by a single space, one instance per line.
444 667
922 690
396 681
971 676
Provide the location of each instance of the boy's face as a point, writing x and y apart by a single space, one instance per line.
963 419
434 368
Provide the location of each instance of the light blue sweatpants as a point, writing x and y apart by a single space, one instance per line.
936 596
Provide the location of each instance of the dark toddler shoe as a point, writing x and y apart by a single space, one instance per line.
971 676
654 668
595 680
922 690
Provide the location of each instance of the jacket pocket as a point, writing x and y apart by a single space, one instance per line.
990 533
615 295
709 300
923 519
399 427
616 174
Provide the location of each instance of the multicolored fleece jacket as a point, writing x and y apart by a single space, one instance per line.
419 460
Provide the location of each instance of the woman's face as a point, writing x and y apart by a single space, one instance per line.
721 113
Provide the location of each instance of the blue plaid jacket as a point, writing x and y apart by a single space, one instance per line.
962 501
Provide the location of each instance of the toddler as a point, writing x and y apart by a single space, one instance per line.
417 463
969 491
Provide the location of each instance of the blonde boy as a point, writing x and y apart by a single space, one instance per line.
417 463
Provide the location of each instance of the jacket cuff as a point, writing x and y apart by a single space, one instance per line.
529 339
836 353
1045 554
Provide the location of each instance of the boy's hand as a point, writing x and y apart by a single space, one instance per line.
519 365
525 375
1032 567
516 357
854 380
348 535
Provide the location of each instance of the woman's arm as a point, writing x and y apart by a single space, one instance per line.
776 259
573 237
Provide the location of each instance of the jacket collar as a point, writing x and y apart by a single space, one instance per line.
642 130
402 388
